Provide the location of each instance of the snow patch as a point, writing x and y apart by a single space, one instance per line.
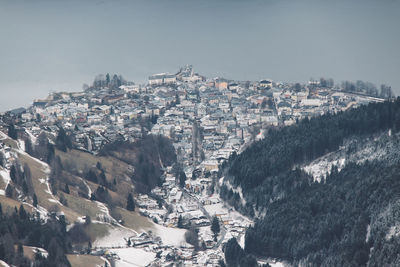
277 264
170 236
115 238
133 257
42 211
31 136
4 264
42 251
21 145
45 166
320 167
272 263
241 241
394 231
5 175
235 190
368 233
105 216
88 187
3 136
105 260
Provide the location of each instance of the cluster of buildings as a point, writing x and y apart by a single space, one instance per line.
207 120
293 105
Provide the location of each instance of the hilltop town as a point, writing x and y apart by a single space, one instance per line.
206 119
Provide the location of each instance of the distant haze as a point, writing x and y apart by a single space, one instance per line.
59 45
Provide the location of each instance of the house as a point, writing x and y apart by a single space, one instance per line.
169 79
141 239
233 86
208 240
156 79
210 165
103 109
221 84
130 88
94 119
265 84
162 78
311 102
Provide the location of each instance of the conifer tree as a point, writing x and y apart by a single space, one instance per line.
130 203
215 228
35 201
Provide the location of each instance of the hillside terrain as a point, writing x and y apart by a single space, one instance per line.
324 192
82 197
129 175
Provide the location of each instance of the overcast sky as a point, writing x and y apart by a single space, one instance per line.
59 45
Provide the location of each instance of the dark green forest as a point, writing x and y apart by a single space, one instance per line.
285 147
326 223
22 228
344 220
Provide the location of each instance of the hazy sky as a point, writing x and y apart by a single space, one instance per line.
59 45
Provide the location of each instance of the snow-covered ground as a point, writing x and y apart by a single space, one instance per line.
273 263
39 250
170 236
3 264
217 208
361 150
3 136
394 231
103 208
21 144
105 260
5 175
320 167
277 264
31 136
133 257
241 241
87 186
115 237
46 170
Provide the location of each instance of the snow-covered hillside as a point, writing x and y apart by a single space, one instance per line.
357 151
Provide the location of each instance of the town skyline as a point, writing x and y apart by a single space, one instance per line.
288 41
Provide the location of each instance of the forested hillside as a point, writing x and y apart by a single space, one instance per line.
283 148
148 156
349 218
24 229
69 199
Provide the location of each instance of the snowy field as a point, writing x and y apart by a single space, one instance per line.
170 236
133 257
114 238
116 235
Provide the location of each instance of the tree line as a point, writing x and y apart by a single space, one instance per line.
335 222
21 228
283 148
